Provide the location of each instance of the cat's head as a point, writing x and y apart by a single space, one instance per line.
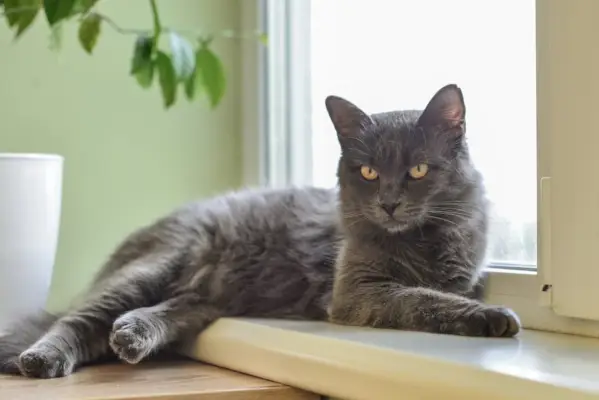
399 169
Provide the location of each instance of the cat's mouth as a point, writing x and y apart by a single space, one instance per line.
400 221
397 228
393 225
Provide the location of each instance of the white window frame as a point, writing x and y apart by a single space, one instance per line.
252 95
270 126
275 127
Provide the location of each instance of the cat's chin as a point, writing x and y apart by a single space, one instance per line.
390 225
396 227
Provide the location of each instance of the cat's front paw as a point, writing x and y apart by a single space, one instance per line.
131 339
500 322
44 362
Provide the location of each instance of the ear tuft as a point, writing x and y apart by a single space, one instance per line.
348 119
446 110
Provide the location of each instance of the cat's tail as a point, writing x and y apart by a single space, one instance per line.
20 336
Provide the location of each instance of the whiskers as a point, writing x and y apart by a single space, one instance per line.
449 212
351 218
453 213
352 214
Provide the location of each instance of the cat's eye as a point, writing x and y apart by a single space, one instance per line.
369 173
419 171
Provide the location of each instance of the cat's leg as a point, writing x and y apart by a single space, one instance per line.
81 335
143 331
390 305
478 289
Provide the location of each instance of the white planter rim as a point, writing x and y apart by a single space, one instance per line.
30 156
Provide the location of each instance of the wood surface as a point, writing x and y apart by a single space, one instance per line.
171 380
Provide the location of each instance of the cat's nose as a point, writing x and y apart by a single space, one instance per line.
390 207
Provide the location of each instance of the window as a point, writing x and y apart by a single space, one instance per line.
529 76
402 53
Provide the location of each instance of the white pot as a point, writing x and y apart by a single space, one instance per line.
30 206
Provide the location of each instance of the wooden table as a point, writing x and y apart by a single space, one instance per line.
171 380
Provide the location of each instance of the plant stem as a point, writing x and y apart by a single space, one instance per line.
230 34
157 25
116 27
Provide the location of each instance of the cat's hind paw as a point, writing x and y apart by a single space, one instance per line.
131 339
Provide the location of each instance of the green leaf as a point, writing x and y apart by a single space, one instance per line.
21 13
27 16
57 10
11 12
192 87
142 53
142 66
89 31
56 37
167 78
183 57
211 73
145 75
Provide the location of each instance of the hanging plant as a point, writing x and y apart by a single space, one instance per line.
189 65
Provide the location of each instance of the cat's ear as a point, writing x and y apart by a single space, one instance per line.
446 110
348 119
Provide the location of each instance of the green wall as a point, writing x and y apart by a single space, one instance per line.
127 161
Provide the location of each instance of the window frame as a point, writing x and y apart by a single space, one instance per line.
528 293
253 107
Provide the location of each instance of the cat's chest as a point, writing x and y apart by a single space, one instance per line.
410 263
425 264
415 262
402 249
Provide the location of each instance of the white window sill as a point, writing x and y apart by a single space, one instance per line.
360 363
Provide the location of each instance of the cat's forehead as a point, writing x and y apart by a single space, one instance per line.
395 136
397 126
397 120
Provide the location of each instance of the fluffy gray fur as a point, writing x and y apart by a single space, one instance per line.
413 249
272 253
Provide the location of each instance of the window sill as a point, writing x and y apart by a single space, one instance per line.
521 292
360 363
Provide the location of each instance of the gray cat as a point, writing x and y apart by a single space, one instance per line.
415 221
400 244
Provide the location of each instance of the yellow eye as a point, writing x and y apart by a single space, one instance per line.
419 171
369 173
